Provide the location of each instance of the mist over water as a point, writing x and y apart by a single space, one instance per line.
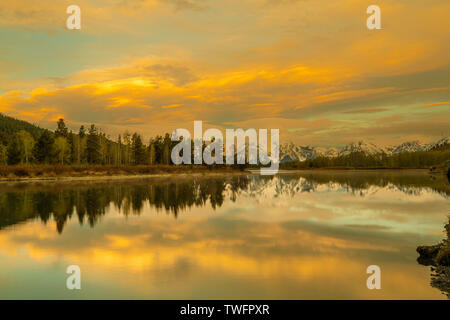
291 236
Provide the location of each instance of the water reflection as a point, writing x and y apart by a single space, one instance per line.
89 202
21 202
438 258
292 236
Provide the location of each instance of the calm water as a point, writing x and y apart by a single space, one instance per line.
292 236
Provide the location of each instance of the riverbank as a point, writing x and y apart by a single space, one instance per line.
88 173
40 173
347 170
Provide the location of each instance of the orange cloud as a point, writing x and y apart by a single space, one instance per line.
438 104
268 70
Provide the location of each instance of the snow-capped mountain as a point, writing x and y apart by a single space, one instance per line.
410 146
439 143
330 152
361 146
292 152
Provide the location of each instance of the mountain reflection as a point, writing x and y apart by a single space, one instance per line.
88 202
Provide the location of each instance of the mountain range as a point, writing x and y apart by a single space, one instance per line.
293 152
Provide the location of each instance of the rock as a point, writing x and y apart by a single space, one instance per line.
443 256
440 279
428 254
438 257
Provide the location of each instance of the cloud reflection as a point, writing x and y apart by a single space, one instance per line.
249 245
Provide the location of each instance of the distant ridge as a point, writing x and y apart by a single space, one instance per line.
292 152
9 126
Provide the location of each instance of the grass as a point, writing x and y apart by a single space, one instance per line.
44 171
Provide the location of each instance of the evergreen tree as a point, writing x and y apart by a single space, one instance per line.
71 142
159 146
167 146
93 146
3 138
43 150
103 142
14 151
82 132
3 155
61 130
138 149
80 145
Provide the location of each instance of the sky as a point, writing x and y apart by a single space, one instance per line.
310 68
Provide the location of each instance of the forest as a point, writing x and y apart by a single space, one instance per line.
23 143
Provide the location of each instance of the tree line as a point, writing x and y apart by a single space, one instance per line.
24 143
420 159
88 146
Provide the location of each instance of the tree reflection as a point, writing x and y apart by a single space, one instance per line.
89 202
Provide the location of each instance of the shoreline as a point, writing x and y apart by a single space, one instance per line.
93 176
105 178
24 173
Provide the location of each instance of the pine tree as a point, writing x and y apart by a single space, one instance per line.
43 150
61 130
159 146
71 142
14 151
3 155
93 146
167 143
137 149
80 145
82 132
